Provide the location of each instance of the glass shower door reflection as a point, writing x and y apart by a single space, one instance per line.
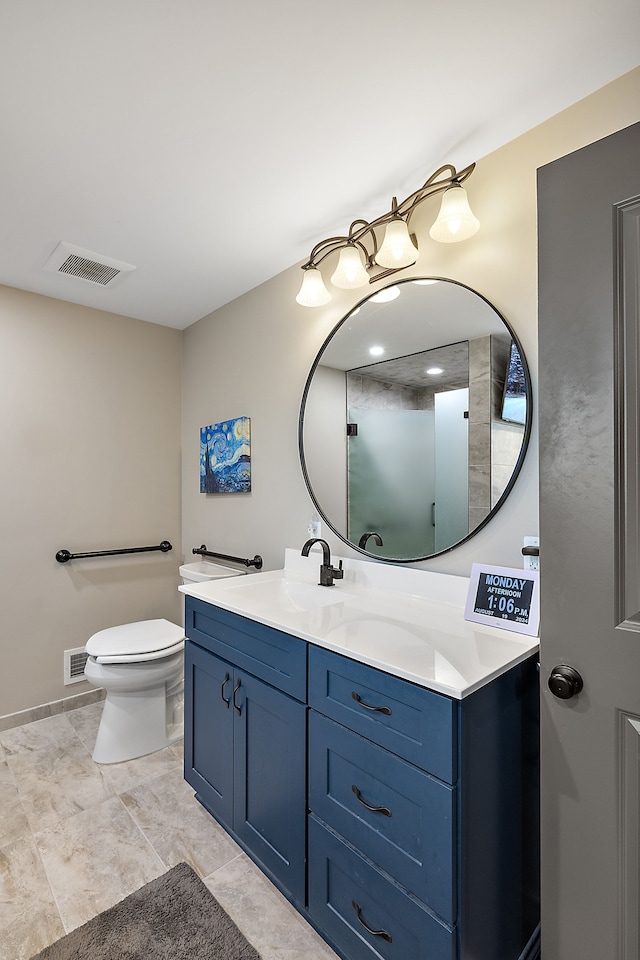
407 477
391 480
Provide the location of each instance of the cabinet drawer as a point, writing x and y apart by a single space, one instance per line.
363 912
277 658
412 833
416 724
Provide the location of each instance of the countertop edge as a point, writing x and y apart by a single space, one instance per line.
524 647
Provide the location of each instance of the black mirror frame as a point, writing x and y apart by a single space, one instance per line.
516 469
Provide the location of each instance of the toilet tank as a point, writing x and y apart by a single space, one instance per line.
201 570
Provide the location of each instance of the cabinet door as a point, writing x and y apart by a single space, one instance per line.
208 730
270 780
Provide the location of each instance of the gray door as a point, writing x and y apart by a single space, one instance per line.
589 402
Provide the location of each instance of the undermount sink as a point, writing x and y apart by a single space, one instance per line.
284 594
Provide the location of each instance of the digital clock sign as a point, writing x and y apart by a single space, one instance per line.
504 597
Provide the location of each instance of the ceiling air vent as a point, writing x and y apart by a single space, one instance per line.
85 265
88 269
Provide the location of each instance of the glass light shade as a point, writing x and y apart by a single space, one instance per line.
313 292
455 220
350 272
397 248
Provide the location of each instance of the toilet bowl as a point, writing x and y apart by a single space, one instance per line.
140 666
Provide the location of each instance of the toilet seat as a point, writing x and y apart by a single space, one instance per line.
136 642
141 657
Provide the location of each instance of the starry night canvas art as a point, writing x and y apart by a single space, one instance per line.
225 457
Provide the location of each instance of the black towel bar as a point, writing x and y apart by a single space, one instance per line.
203 552
63 556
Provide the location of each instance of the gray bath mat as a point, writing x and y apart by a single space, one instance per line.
172 918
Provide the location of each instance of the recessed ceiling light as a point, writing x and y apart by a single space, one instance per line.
434 371
384 296
425 283
376 351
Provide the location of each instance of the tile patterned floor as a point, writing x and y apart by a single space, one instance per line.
77 837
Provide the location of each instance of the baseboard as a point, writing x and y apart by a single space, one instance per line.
11 720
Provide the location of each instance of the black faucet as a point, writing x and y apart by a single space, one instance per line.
327 572
362 542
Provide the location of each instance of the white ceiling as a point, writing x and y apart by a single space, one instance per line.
212 144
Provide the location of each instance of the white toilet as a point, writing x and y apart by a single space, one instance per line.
141 667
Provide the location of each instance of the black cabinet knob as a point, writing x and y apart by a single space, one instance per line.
565 682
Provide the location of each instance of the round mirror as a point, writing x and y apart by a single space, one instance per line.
415 420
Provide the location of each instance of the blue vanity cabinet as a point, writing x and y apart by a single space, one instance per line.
423 814
246 739
401 822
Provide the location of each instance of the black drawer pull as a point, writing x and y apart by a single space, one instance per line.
226 700
374 933
368 706
384 810
235 690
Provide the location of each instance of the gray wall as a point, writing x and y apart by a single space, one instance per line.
90 412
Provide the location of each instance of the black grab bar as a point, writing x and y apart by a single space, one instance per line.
203 552
63 556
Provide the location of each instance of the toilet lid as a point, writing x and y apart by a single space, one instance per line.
143 640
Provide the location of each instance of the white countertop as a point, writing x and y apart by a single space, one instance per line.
404 621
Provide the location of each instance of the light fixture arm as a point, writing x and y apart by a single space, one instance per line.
433 186
362 232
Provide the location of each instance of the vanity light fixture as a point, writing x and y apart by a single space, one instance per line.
350 271
313 292
362 261
455 220
398 249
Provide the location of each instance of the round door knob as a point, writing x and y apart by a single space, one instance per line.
565 682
